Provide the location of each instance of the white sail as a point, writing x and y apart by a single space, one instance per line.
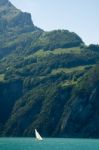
38 137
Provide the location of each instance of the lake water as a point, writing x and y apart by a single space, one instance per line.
48 144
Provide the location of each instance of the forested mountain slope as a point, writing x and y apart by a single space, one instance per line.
48 80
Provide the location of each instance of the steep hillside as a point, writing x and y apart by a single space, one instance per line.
81 114
48 80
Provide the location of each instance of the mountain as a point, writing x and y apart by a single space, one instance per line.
48 80
15 27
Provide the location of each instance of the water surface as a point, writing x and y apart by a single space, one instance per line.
48 144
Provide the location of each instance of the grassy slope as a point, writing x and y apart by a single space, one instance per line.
1 77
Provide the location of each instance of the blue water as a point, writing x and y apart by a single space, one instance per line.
48 144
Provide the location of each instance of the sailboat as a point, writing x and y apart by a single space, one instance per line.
38 136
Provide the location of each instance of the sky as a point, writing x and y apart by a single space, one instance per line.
79 16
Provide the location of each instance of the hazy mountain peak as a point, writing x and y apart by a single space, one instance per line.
13 19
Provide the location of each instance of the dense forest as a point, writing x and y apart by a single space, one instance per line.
48 80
